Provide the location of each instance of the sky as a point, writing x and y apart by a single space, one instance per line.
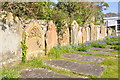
113 7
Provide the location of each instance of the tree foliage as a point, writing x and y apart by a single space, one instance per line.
82 12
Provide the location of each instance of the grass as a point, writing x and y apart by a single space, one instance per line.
111 62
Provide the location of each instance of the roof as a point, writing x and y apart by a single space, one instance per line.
112 18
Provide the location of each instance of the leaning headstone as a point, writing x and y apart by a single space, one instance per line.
34 40
51 36
74 32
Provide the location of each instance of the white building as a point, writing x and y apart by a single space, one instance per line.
113 22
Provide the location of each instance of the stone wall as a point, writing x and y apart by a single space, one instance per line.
41 36
10 37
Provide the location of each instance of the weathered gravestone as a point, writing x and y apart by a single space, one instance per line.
51 36
79 36
92 31
74 32
95 33
83 34
98 32
87 33
64 35
34 40
103 31
109 31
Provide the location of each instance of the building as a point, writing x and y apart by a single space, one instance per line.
113 22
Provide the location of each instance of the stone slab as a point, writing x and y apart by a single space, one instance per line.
97 52
79 68
103 49
41 73
83 57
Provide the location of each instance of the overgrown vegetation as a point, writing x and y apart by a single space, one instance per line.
24 48
111 40
116 47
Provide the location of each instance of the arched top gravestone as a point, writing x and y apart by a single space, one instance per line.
34 40
92 32
74 32
83 34
74 25
51 36
103 31
64 35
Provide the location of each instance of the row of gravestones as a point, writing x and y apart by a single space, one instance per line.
84 34
41 36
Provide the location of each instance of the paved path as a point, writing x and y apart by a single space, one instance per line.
83 57
79 68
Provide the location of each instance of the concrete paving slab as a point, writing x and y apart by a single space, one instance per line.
41 73
98 52
79 68
83 57
104 49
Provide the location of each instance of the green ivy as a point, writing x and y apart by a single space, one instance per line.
24 48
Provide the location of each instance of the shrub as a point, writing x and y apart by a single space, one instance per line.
110 40
58 50
6 74
98 44
116 47
81 47
84 47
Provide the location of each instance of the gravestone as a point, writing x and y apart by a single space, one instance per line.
87 33
106 31
92 31
95 33
79 37
102 31
51 36
83 34
109 31
34 40
74 32
98 32
64 35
